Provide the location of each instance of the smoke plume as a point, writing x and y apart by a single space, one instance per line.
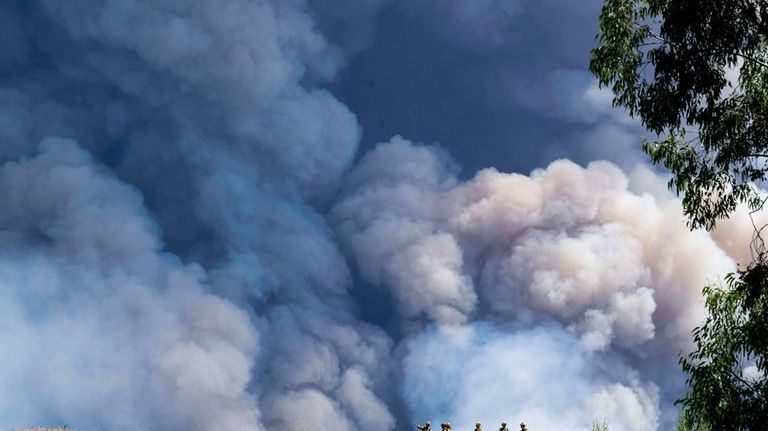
585 265
186 229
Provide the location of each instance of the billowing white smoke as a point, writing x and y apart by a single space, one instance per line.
606 256
97 322
541 375
569 243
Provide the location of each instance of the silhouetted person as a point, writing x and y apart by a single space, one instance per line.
503 427
427 426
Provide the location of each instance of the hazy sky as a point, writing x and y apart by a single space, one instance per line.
506 86
332 214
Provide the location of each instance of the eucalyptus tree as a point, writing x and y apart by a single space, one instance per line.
695 72
668 63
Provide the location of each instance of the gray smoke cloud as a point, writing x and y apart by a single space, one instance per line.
179 208
478 25
98 323
241 319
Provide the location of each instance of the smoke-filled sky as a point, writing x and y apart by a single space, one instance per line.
338 215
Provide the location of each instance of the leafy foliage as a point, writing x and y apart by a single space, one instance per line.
727 372
687 423
667 63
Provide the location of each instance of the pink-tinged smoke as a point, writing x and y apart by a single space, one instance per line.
602 258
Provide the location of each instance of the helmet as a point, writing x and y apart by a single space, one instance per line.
503 424
428 423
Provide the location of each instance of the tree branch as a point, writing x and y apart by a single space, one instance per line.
738 54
